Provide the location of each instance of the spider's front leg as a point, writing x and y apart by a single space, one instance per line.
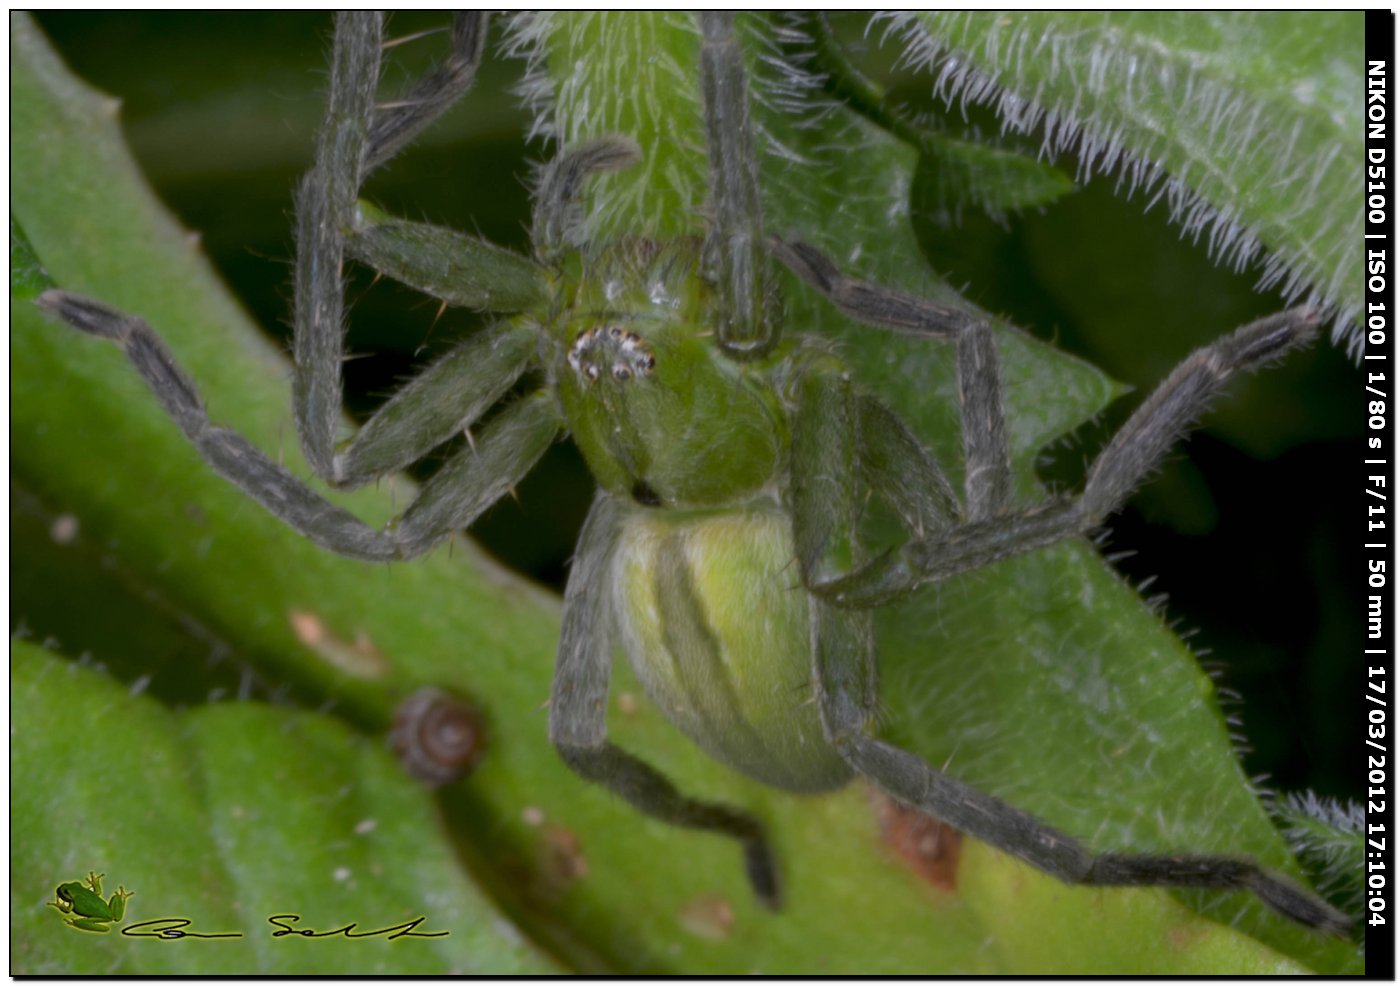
469 483
446 398
747 315
578 711
357 136
825 504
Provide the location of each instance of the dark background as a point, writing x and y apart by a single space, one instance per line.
1248 530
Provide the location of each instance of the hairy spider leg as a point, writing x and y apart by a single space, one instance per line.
470 482
356 137
325 212
825 505
447 397
748 323
992 531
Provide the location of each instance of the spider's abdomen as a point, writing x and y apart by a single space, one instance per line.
713 616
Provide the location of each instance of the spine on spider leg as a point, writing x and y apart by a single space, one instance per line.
1181 399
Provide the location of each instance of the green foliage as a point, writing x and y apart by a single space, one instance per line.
227 814
1329 840
1249 123
1045 680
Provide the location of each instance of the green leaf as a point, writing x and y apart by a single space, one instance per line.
952 173
178 807
1330 841
1059 723
1248 122
28 279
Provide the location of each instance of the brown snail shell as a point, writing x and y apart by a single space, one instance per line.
437 736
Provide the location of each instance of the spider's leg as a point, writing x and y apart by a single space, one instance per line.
1141 444
826 510
578 712
461 270
841 440
911 780
325 216
748 324
993 533
865 302
960 549
824 471
439 403
506 450
895 465
398 123
480 474
986 451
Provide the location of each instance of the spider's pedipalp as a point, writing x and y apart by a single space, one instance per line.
558 220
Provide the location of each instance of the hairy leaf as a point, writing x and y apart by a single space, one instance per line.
1248 123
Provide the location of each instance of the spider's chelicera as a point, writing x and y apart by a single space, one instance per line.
731 461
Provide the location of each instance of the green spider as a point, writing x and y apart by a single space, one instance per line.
732 460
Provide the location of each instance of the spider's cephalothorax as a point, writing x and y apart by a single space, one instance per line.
661 414
722 551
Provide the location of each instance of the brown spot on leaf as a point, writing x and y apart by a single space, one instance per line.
358 657
564 863
64 529
927 846
1183 937
710 917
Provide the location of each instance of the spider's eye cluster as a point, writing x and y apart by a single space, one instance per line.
611 349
